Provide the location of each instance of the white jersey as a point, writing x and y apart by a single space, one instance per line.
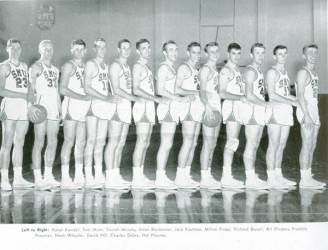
235 85
75 82
47 82
17 78
311 89
191 82
147 83
125 78
100 82
258 84
212 85
282 85
170 83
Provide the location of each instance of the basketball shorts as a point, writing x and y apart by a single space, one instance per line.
100 109
280 115
168 112
50 104
253 115
191 111
314 113
122 112
74 109
13 109
144 112
232 111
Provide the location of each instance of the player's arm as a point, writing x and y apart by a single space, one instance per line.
250 76
205 74
90 71
4 72
162 75
137 71
270 79
183 73
224 77
114 72
68 70
34 71
301 79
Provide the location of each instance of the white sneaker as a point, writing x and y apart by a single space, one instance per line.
100 179
311 183
51 180
163 182
210 183
42 185
6 186
122 181
67 183
196 184
256 183
21 184
230 182
142 182
276 183
92 184
183 183
285 181
114 183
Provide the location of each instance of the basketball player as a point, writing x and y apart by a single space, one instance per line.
279 118
96 84
209 84
187 83
232 89
308 115
13 114
43 90
168 114
143 112
121 82
254 116
74 109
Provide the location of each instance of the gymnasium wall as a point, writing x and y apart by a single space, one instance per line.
288 22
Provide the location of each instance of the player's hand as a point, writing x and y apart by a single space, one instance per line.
87 98
209 112
33 113
113 99
308 123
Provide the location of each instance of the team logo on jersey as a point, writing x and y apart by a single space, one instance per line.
127 77
197 82
20 77
79 76
51 78
284 84
261 87
216 84
239 84
314 84
103 78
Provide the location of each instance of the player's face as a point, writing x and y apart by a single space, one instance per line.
258 55
281 56
194 54
47 51
78 51
213 53
125 50
144 50
171 52
311 55
101 49
14 51
234 55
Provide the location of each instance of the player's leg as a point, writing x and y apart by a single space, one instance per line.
80 143
167 136
210 136
50 153
118 153
8 132
17 157
102 131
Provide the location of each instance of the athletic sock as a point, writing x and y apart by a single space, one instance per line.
78 169
37 175
65 171
4 175
98 171
48 172
18 173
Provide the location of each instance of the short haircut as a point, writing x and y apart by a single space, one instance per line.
193 44
257 45
11 41
43 42
122 41
212 44
143 40
309 46
235 46
78 42
164 47
279 47
98 40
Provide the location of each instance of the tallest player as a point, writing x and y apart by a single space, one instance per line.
13 87
308 115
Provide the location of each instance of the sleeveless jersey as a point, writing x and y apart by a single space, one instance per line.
75 82
170 83
258 84
47 82
17 79
311 89
125 78
282 86
235 85
191 82
100 82
212 85
147 83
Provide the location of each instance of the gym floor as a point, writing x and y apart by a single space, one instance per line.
188 206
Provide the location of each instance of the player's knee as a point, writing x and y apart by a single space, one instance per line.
52 143
68 142
232 144
100 144
39 142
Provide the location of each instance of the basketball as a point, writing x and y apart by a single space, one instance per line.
41 115
214 122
